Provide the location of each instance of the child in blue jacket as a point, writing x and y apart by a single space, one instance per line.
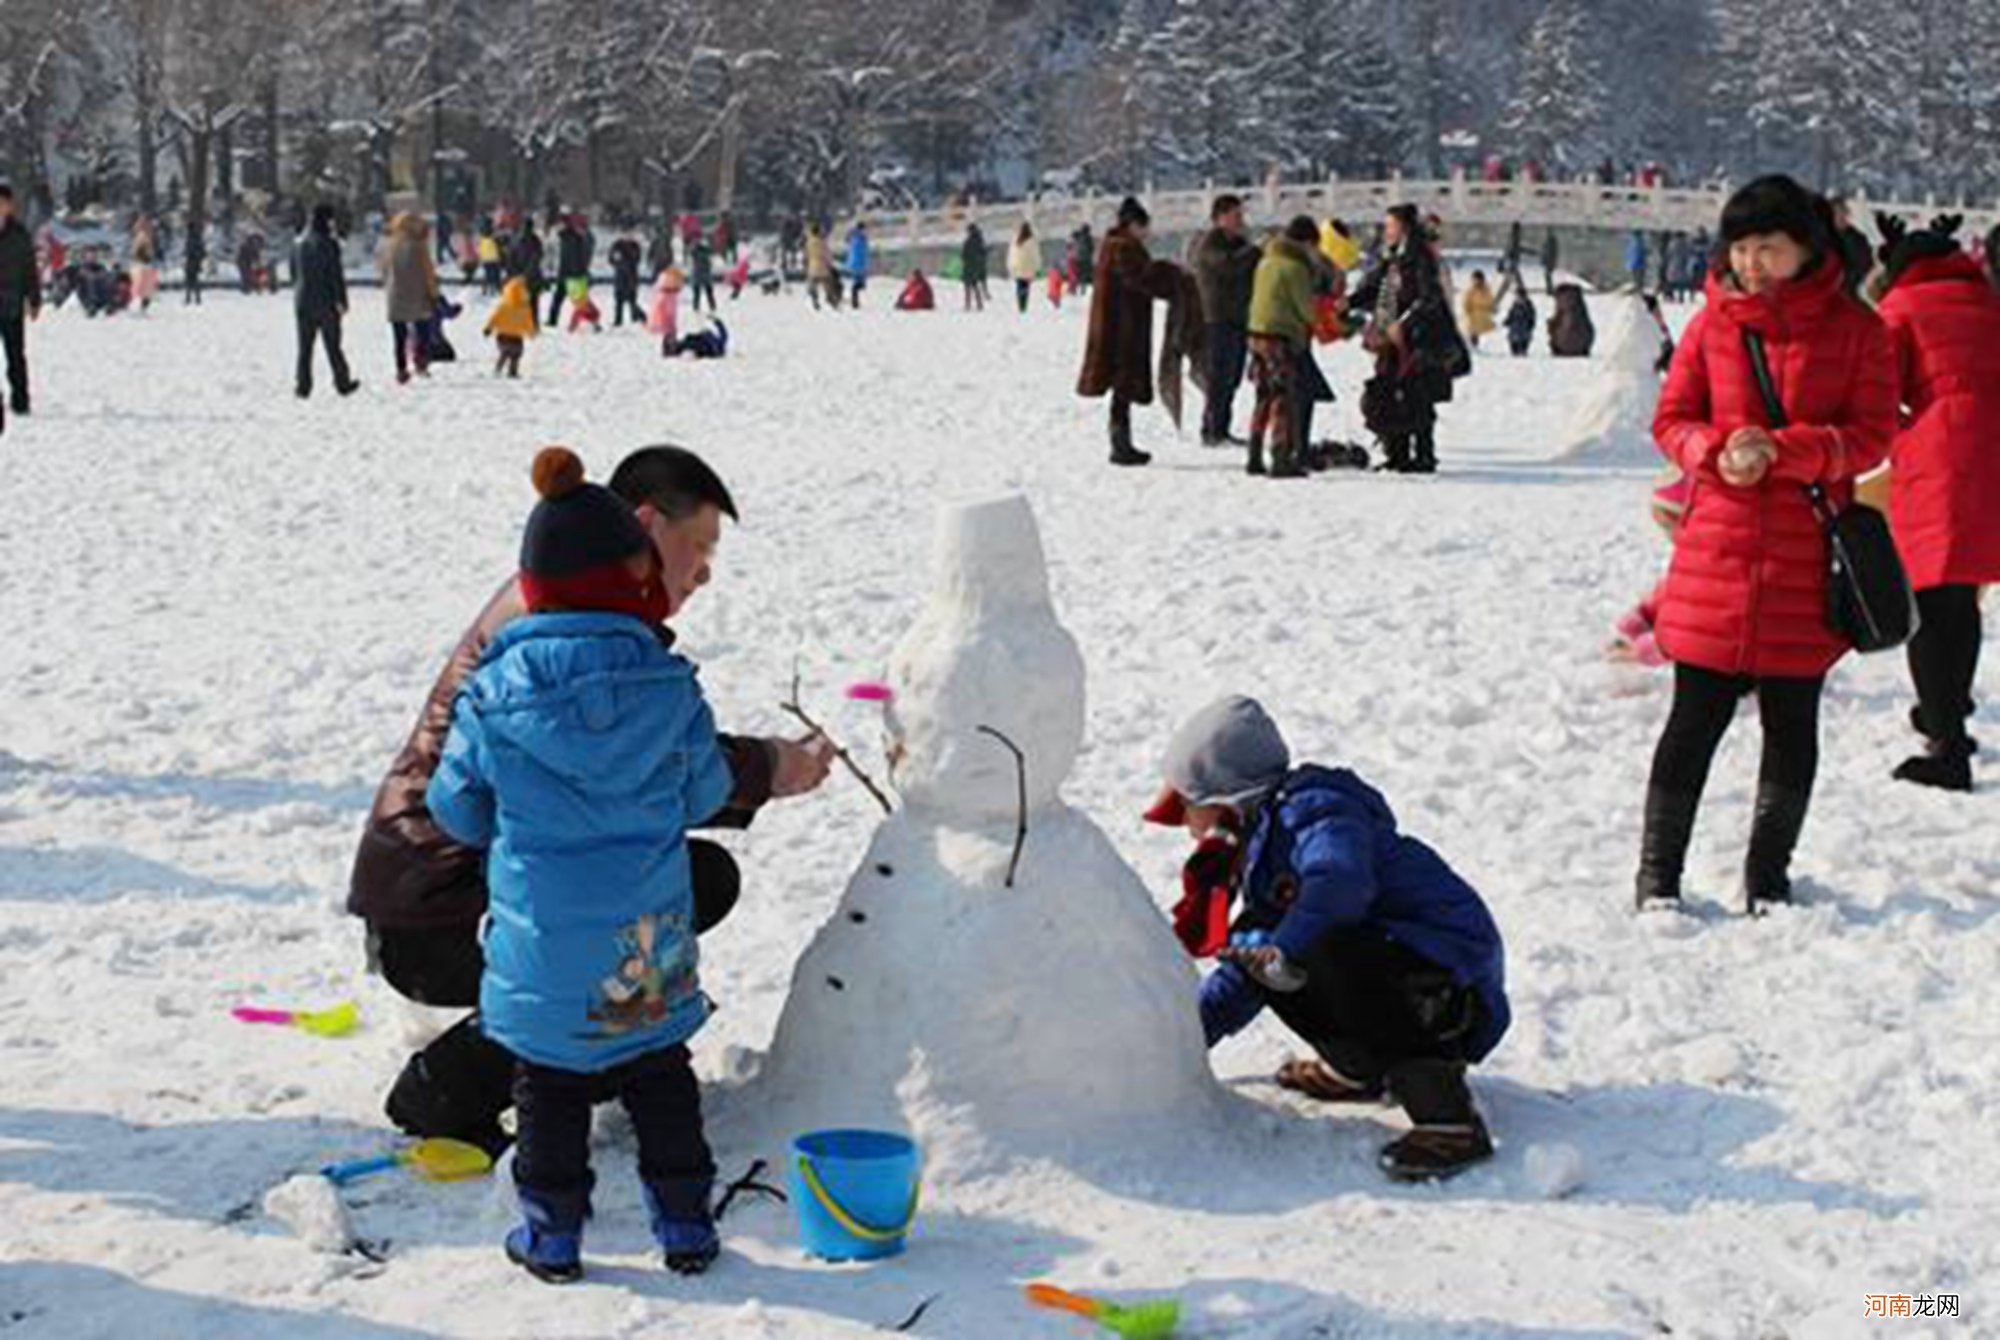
1362 940
580 752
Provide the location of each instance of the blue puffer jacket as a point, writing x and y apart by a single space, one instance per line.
580 752
857 254
1324 855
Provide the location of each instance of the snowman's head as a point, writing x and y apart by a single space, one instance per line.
987 651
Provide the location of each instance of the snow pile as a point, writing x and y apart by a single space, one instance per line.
989 1018
310 1207
1553 1171
1614 425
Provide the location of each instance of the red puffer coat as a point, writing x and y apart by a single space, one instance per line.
1747 591
1945 486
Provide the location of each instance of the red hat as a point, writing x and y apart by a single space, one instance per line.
1169 809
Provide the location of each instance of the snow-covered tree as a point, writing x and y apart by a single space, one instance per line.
1557 114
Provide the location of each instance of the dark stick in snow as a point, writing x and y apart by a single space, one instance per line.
839 751
1021 814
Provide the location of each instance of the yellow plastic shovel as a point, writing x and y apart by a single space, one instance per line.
321 1023
435 1160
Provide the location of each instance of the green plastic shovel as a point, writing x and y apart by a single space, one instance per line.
1140 1321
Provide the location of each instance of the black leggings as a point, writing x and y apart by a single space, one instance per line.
1705 703
658 1091
1370 1004
1944 659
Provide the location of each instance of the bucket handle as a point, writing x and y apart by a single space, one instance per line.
847 1221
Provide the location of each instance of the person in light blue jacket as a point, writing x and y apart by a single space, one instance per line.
580 752
857 260
1635 259
1360 938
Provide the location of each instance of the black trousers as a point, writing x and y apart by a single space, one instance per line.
1022 289
324 330
1944 659
561 290
461 1083
660 1094
1228 347
1705 703
702 290
14 336
623 300
1370 1004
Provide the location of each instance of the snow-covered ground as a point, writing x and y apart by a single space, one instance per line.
223 608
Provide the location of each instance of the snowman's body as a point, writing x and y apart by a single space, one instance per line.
1614 423
939 999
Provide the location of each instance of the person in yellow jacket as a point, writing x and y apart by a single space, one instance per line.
490 258
1479 306
512 325
1338 245
1282 314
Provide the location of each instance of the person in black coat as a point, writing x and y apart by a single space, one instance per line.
196 256
1414 336
20 299
1083 249
972 263
525 258
319 300
573 255
626 258
1857 254
701 274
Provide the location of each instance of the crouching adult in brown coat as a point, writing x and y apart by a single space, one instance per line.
1118 361
424 895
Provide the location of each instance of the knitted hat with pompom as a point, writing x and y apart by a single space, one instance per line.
579 542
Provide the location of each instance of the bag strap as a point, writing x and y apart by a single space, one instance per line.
1760 366
1774 410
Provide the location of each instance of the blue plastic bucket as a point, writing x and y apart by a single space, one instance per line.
856 1192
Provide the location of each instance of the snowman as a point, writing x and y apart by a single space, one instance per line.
1615 422
990 992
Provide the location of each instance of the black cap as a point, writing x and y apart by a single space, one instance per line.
1779 204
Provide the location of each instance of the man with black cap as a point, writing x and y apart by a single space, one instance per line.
20 299
423 895
319 301
1361 939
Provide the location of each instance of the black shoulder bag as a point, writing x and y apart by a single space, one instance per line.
1868 594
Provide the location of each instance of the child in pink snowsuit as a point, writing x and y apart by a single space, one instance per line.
664 317
1635 641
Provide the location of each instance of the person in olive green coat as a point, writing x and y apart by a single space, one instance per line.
1282 308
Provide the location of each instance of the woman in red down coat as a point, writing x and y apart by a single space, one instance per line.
1945 484
1745 606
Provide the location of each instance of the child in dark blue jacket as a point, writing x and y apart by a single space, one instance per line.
1362 940
580 752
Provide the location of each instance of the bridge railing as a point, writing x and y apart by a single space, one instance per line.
1578 205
